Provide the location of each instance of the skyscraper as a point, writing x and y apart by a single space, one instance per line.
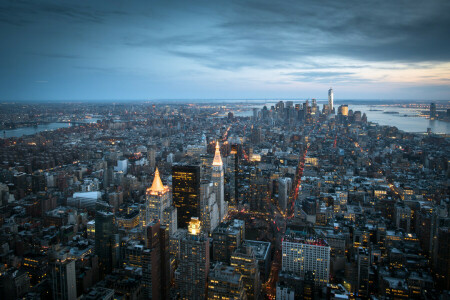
330 100
226 238
225 283
244 260
156 201
209 215
192 272
302 254
186 192
151 156
151 266
433 111
106 242
64 284
443 258
218 182
156 263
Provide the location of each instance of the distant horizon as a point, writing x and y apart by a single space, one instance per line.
203 100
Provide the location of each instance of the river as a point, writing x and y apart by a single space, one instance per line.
19 132
407 119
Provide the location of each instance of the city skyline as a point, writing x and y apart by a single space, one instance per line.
223 50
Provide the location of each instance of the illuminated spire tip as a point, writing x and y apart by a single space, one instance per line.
217 158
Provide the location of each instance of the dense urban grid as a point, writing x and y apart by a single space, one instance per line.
192 201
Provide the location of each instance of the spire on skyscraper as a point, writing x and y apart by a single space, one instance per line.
157 186
217 158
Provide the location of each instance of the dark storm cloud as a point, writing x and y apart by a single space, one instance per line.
401 31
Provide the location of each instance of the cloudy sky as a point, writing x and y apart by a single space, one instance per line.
100 50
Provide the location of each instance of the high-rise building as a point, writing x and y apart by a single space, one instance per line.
164 244
151 156
193 268
156 262
443 258
302 254
330 100
245 262
151 262
209 215
217 177
170 219
156 201
226 238
284 190
186 192
262 252
402 214
106 242
363 261
224 282
232 175
64 284
433 114
259 192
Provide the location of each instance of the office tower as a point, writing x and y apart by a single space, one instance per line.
244 260
265 113
302 254
262 253
443 258
156 201
402 214
314 109
164 240
151 157
256 135
255 114
343 110
192 271
357 117
226 238
217 177
224 282
231 176
209 215
186 192
308 286
106 242
433 114
330 100
363 260
170 219
151 262
259 192
284 190
64 284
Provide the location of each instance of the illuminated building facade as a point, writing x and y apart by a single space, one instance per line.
245 262
225 283
191 274
301 254
217 177
186 192
156 201
226 238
